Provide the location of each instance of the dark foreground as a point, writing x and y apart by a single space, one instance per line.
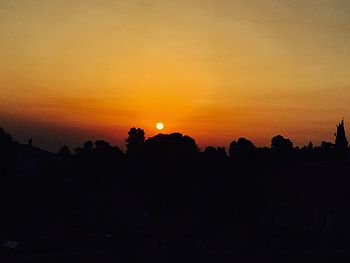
234 256
165 200
288 215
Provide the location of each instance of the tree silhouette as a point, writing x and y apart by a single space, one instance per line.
173 192
135 141
106 150
341 142
214 156
242 149
102 145
210 150
106 158
7 153
171 146
310 146
281 145
174 153
64 152
189 145
88 145
326 147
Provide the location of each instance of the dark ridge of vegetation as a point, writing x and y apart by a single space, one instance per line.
165 195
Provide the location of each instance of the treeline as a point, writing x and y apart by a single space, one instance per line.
165 194
171 151
167 152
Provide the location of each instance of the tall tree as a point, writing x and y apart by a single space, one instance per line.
135 141
7 153
341 142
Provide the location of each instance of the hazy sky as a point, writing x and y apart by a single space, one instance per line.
215 70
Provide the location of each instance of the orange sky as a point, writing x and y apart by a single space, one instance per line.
215 70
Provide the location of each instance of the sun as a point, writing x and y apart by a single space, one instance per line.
160 126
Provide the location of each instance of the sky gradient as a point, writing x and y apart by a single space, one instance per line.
215 70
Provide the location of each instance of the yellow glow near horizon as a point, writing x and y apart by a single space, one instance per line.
215 70
160 126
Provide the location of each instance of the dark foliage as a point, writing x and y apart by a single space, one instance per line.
165 195
7 153
135 141
341 142
65 152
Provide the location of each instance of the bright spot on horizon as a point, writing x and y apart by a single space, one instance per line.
160 126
